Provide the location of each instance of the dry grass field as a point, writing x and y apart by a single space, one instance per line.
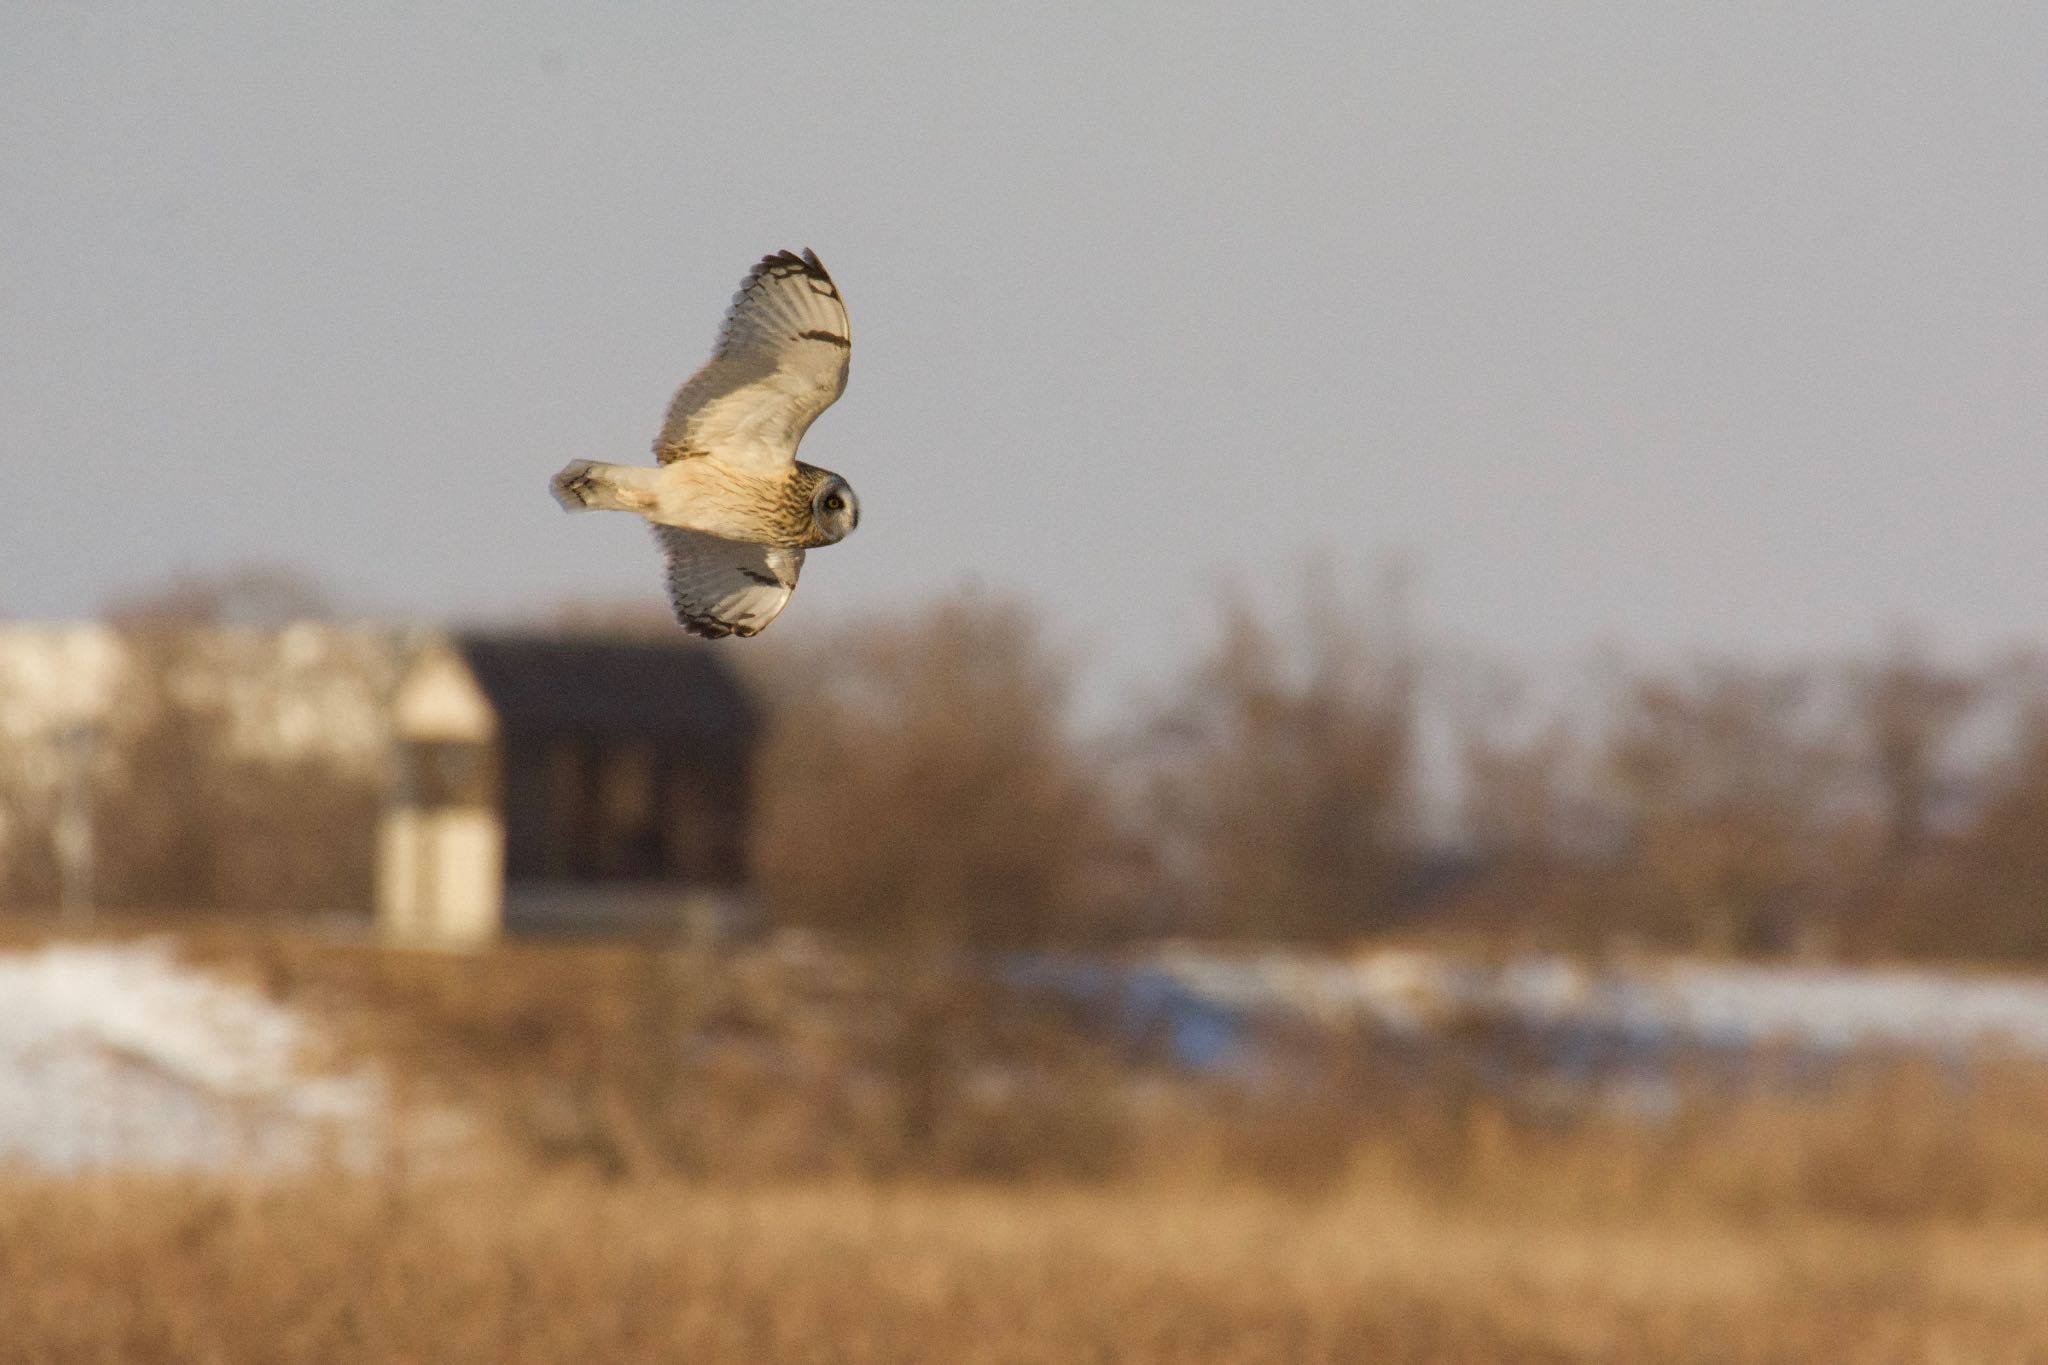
568 1269
799 1157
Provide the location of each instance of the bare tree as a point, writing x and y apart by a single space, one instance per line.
1540 869
1283 793
1725 777
1907 710
920 782
1980 890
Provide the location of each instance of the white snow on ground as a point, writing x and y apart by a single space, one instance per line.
1678 1003
119 1055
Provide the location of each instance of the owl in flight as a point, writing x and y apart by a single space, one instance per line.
732 506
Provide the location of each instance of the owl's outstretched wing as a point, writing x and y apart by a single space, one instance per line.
726 587
781 360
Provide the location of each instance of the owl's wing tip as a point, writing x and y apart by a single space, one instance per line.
704 628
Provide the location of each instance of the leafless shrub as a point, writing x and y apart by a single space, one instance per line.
791 1061
1983 892
920 783
1282 794
1723 784
1905 710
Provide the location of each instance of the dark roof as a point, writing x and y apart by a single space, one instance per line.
678 693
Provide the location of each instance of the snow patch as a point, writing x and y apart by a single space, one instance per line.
119 1055
1824 1010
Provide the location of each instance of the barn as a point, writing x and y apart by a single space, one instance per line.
603 783
443 786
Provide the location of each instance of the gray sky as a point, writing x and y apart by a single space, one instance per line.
1725 329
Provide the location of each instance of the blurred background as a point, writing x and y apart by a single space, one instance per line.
1434 745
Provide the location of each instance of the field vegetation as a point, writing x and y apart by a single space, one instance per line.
850 1142
796 1153
500 1265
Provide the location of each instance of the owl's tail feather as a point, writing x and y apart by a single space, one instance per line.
588 486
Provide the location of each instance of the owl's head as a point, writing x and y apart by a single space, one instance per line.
835 509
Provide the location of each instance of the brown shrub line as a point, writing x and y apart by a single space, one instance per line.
799 1060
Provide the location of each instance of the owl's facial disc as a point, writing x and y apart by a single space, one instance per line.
835 509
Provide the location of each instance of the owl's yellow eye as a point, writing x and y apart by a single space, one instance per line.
835 503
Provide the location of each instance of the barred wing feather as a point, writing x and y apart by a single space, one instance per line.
726 587
781 359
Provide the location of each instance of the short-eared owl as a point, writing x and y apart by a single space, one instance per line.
733 507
